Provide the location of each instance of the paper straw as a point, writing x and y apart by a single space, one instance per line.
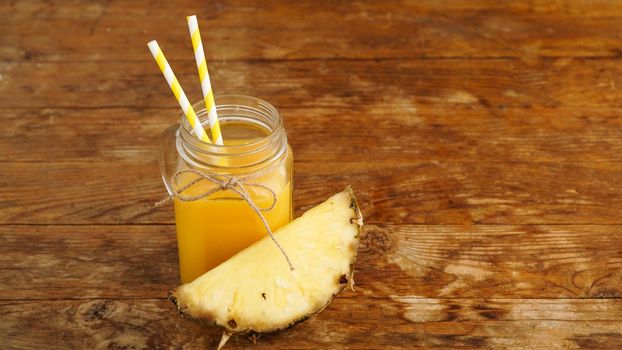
173 83
206 86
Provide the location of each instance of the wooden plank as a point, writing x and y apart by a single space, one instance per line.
357 85
409 192
412 323
532 261
283 31
145 10
87 261
482 261
402 131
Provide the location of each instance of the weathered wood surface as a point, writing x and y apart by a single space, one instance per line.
407 192
312 29
74 9
471 133
479 261
483 139
359 85
355 323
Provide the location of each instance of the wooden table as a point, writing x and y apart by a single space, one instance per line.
483 138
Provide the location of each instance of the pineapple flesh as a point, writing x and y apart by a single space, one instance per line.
255 290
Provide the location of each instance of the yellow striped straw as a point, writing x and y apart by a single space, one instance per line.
173 83
206 86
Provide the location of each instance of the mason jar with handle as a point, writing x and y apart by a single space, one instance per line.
209 182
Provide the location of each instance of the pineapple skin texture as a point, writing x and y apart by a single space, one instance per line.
255 291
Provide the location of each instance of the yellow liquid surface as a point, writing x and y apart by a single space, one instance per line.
211 230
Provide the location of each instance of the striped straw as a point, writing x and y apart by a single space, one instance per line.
173 83
206 86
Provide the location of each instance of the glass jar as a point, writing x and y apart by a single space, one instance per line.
212 229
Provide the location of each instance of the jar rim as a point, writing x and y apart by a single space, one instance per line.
273 130
247 155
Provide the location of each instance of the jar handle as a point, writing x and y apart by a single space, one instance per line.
169 157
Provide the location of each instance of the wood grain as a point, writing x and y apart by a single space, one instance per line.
414 324
362 29
411 192
499 261
420 132
483 139
72 9
356 85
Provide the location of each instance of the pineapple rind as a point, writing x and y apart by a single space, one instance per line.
256 291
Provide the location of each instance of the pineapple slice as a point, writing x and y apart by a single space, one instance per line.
255 291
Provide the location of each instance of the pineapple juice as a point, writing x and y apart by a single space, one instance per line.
213 229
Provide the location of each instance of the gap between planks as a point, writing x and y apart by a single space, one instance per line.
355 296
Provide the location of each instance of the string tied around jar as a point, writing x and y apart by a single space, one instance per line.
233 183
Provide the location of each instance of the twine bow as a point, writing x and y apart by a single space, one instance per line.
223 183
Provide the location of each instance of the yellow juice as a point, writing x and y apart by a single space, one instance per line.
212 229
